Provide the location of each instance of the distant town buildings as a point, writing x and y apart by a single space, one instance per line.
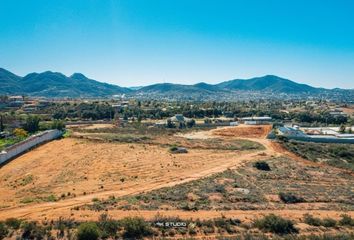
337 113
256 120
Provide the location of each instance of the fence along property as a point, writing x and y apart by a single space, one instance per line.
27 144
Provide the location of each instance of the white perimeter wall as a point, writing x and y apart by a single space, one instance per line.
30 142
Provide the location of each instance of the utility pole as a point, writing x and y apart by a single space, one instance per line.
2 127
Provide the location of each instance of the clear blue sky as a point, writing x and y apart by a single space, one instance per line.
140 42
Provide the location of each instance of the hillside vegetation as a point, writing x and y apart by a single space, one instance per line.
55 84
339 155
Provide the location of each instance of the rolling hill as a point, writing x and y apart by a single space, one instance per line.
268 83
179 88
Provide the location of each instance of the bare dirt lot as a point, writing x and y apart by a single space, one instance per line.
249 188
69 172
244 131
349 110
60 177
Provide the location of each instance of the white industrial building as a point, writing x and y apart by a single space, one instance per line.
256 120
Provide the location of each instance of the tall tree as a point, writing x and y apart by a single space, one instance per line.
32 124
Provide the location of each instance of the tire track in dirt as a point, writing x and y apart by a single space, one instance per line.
63 207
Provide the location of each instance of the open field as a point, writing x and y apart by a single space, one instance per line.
248 188
72 171
338 155
131 172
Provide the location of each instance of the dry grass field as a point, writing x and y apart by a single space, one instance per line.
248 188
73 171
132 172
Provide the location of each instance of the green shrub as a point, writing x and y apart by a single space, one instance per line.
290 198
189 207
3 231
261 165
226 224
13 223
20 133
88 231
329 222
346 220
135 227
32 123
275 224
192 231
32 231
310 220
173 148
50 198
108 226
58 124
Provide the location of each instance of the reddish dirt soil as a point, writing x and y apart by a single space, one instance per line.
82 167
349 110
244 131
88 169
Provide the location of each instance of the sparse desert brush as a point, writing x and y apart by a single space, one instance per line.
51 198
3 231
346 220
32 230
226 223
329 222
136 228
108 226
339 155
88 231
13 223
311 220
275 224
290 198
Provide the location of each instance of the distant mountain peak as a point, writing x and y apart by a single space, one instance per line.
47 74
4 70
78 76
202 84
269 83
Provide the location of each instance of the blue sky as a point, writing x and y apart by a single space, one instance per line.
140 42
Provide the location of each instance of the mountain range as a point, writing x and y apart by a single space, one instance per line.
54 84
57 85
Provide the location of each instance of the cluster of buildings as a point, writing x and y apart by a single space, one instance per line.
320 135
26 104
336 112
179 120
